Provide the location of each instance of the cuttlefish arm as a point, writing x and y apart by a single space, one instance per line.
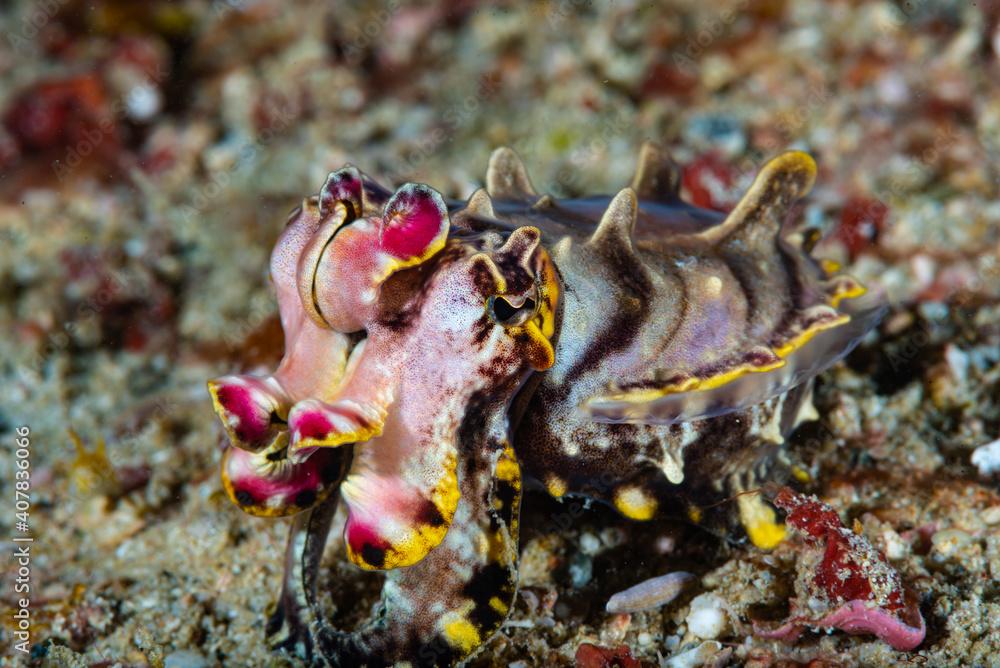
419 374
276 422
402 491
437 612
326 243
253 408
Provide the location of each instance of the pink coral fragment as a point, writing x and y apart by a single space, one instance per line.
862 592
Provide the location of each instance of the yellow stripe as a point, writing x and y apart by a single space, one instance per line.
692 384
802 339
359 435
549 295
850 292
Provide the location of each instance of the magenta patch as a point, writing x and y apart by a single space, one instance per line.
413 219
343 185
306 482
251 421
312 424
363 538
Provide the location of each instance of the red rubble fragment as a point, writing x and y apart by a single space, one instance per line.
665 80
708 181
862 220
849 562
593 656
861 592
61 113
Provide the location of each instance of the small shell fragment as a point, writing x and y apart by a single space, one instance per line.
987 458
707 618
649 594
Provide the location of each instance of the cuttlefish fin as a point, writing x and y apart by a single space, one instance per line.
817 346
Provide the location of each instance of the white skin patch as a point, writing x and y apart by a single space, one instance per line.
807 410
672 467
689 434
461 541
672 461
402 604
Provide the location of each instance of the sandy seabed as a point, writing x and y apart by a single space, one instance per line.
150 153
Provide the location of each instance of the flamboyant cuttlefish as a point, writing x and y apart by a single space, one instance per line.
632 349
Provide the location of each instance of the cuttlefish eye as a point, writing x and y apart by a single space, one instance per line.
511 310
522 299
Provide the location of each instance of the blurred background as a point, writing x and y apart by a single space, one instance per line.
150 152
